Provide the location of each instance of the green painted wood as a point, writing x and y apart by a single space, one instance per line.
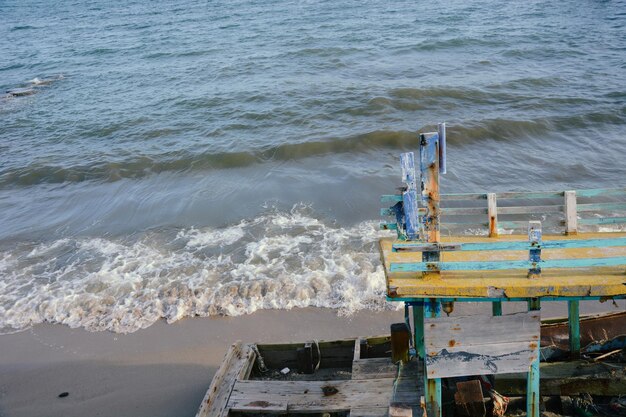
496 308
463 196
450 211
573 315
532 381
602 220
394 198
530 209
529 195
505 265
388 226
432 387
508 246
491 300
464 224
390 198
600 207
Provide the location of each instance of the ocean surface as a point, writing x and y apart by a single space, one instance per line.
165 159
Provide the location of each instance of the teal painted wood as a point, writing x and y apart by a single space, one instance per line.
530 209
388 226
573 319
532 381
432 387
464 211
505 265
491 300
602 220
450 211
511 246
601 192
464 224
418 324
390 198
496 308
530 195
516 195
463 196
600 207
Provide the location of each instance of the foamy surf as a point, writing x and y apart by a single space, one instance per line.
279 260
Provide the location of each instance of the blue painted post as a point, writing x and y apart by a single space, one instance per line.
441 131
534 255
573 318
432 387
409 196
532 383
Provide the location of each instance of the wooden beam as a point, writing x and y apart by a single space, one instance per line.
314 396
569 378
480 345
236 364
492 212
571 218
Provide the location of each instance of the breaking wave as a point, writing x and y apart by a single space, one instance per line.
279 260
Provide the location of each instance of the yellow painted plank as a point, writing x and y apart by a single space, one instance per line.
572 282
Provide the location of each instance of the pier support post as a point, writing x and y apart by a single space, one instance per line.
496 308
532 385
418 329
573 319
432 387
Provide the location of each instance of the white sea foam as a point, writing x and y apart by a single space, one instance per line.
279 260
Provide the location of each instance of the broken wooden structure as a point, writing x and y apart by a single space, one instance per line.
568 256
354 377
429 274
357 377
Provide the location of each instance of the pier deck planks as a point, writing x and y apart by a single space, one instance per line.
568 282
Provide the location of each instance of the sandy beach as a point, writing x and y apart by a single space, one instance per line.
164 370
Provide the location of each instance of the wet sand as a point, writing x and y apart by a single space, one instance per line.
163 370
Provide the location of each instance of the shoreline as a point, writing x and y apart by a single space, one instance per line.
165 369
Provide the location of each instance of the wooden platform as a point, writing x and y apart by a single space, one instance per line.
375 384
579 282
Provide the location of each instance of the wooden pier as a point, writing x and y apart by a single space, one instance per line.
531 246
430 274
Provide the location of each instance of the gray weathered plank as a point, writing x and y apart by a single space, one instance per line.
373 368
308 396
479 345
369 412
569 378
480 360
235 364
479 330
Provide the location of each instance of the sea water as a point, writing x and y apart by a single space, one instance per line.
165 159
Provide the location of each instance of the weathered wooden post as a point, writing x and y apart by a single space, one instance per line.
573 316
431 156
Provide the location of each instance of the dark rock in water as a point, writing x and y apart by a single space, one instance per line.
19 92
64 394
